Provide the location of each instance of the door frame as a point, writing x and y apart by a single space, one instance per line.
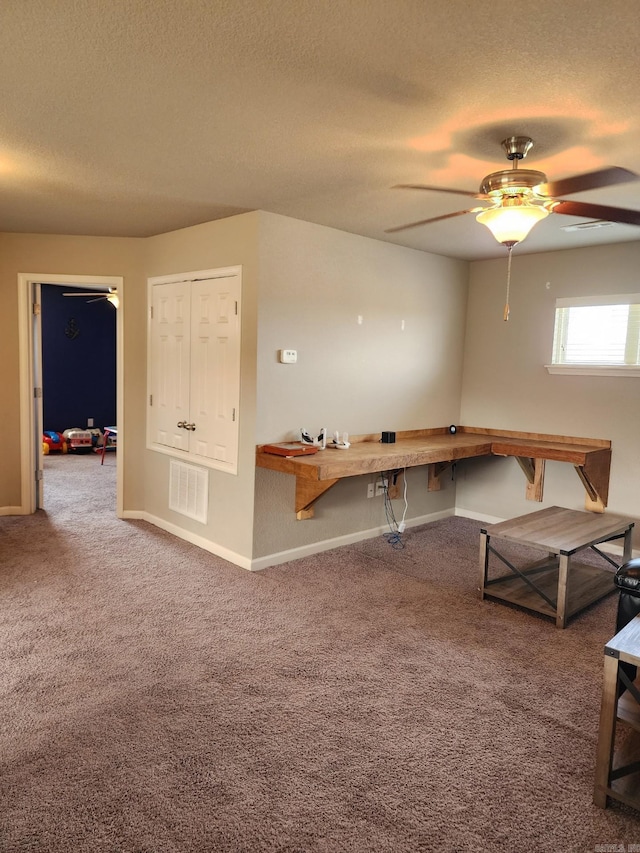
30 349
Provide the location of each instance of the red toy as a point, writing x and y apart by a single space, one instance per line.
53 441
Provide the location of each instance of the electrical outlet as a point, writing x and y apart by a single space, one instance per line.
381 486
371 490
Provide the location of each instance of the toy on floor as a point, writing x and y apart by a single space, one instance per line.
96 437
78 440
53 441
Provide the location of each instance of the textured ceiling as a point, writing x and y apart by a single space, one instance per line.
135 117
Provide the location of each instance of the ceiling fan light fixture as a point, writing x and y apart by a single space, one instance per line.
511 223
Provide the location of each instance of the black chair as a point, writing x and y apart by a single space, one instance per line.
627 579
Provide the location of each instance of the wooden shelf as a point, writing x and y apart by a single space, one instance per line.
588 585
439 449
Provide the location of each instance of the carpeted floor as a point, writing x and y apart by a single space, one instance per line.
156 698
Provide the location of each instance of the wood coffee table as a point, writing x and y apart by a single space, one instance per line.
556 586
619 782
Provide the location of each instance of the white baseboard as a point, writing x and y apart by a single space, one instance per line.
476 516
14 510
193 538
279 557
348 539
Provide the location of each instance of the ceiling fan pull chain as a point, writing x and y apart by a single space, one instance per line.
506 301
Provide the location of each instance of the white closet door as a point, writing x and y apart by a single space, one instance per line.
170 364
215 369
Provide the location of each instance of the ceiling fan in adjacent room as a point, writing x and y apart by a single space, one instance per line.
520 198
110 295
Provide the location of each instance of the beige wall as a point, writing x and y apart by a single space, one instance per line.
308 284
506 385
362 378
63 255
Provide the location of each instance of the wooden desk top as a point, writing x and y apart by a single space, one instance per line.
364 457
437 448
423 447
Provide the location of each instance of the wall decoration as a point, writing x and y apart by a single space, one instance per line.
72 330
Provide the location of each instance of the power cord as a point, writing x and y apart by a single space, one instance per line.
402 526
394 537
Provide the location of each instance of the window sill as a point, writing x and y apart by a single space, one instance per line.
594 369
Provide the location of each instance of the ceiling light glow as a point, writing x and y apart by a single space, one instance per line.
513 221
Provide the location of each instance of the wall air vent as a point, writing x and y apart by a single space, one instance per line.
189 490
584 226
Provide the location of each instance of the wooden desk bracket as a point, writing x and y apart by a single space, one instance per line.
594 475
395 487
534 472
434 472
307 492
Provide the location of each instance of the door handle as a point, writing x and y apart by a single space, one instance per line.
190 427
182 424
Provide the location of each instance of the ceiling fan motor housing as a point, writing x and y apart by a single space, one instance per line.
517 147
516 181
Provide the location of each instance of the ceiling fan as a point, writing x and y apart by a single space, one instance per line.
110 295
520 198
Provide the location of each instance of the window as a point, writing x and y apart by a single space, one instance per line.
597 335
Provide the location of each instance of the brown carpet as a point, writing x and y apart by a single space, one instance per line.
156 698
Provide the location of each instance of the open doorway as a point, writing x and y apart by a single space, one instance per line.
31 374
78 329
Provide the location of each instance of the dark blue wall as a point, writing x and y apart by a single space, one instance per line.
79 360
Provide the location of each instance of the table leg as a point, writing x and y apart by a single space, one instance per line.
561 603
628 551
104 445
606 731
484 562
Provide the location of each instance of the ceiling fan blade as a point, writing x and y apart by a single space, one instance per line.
597 211
467 193
589 181
433 219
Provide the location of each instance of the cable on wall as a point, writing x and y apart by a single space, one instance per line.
396 529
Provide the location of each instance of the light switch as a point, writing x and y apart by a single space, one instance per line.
288 356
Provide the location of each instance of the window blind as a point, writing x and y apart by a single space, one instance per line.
597 330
